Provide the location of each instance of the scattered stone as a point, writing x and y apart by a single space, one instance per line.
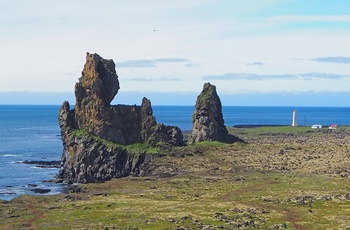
72 198
243 218
279 226
172 220
77 189
347 196
305 200
24 226
184 218
54 207
326 198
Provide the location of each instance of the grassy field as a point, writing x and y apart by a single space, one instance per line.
282 178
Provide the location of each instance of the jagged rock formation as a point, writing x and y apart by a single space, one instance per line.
207 119
94 132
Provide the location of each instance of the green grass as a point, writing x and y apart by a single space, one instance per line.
227 186
282 129
206 144
267 199
135 148
273 129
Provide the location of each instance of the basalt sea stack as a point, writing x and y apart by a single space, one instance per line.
96 134
207 119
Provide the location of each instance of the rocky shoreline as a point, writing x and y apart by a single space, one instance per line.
43 164
46 186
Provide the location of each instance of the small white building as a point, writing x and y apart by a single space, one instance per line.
333 126
316 126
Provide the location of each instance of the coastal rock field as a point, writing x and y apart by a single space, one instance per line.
281 178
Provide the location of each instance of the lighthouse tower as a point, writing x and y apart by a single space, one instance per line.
294 123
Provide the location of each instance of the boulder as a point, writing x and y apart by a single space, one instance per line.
207 119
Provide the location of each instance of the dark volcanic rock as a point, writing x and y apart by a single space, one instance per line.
91 131
123 124
88 160
44 164
40 190
207 119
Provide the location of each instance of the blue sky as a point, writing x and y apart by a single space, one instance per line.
271 52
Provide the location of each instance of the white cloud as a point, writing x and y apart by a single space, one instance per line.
150 63
260 77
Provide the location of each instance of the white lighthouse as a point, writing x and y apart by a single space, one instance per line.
294 123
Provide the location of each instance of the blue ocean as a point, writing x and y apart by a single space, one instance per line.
31 133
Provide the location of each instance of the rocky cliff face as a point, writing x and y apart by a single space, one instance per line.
93 126
207 119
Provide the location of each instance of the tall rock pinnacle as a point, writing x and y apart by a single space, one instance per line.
207 119
99 80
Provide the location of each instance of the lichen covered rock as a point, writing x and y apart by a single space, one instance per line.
88 159
207 119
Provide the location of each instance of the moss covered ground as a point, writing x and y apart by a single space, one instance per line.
283 178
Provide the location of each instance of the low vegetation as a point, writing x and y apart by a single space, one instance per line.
282 178
136 148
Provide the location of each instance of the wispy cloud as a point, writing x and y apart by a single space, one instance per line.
256 63
311 76
136 64
140 79
172 60
143 79
340 59
250 76
192 65
144 63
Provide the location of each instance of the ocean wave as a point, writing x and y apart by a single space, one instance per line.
9 155
9 193
46 168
